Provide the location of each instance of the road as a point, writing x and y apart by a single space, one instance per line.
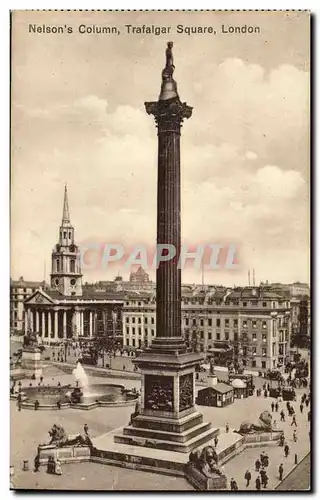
299 479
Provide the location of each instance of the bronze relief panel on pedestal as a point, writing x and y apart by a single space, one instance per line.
186 391
158 393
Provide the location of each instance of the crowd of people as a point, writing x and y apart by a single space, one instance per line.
261 464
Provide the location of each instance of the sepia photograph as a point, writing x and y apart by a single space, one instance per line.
160 294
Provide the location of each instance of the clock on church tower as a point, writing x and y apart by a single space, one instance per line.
66 274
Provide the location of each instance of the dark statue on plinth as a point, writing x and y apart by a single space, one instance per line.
60 439
205 461
264 424
30 341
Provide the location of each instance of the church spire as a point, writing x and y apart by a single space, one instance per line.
65 213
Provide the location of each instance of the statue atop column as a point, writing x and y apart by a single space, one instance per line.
169 87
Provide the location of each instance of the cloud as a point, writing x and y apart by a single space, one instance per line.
244 166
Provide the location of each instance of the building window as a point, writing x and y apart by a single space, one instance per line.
264 337
226 323
201 322
70 235
72 266
244 304
254 336
264 351
133 319
201 334
146 331
253 363
209 322
235 323
218 335
152 333
187 321
264 324
152 320
139 320
194 322
227 335
218 322
127 330
139 303
254 324
263 364
127 319
209 335
245 324
65 234
264 304
58 265
133 343
133 330
139 330
254 351
146 320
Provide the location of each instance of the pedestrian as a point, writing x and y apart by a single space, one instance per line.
272 406
265 480
275 424
280 472
265 394
36 463
124 367
233 485
286 450
301 408
247 477
276 406
258 483
294 422
86 429
262 475
227 428
282 416
216 441
295 437
262 458
59 405
268 387
264 387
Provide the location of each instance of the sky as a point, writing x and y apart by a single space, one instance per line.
77 117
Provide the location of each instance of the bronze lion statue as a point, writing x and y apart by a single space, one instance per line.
60 438
264 424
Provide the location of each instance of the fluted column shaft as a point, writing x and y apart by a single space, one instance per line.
169 115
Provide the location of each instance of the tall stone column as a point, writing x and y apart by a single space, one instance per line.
64 324
90 324
37 321
26 320
169 114
43 323
56 324
49 324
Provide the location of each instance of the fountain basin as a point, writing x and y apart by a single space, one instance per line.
92 397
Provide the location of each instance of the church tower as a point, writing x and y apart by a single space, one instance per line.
66 274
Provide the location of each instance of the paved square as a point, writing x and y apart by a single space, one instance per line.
30 428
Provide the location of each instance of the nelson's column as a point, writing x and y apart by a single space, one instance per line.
168 418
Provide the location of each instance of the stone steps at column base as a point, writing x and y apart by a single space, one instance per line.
178 437
162 444
158 423
146 467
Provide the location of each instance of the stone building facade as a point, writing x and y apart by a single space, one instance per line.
263 318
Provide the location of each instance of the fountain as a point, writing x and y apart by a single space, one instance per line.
83 395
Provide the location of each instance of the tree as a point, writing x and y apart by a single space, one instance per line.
242 352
